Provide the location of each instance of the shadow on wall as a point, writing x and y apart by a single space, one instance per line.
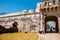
10 30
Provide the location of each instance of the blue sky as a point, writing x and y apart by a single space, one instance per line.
52 23
10 6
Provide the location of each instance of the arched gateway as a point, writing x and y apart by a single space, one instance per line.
51 24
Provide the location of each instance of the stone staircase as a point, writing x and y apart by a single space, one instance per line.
49 36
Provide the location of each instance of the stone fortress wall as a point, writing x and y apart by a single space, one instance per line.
26 22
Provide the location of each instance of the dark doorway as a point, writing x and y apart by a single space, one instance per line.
51 24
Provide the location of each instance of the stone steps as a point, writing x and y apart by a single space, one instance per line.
49 36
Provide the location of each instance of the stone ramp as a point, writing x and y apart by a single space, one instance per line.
49 36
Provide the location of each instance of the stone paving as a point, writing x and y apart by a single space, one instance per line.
49 36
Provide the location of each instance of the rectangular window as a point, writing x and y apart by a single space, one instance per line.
48 10
45 4
56 9
52 9
54 2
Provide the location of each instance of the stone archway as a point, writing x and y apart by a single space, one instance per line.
51 24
